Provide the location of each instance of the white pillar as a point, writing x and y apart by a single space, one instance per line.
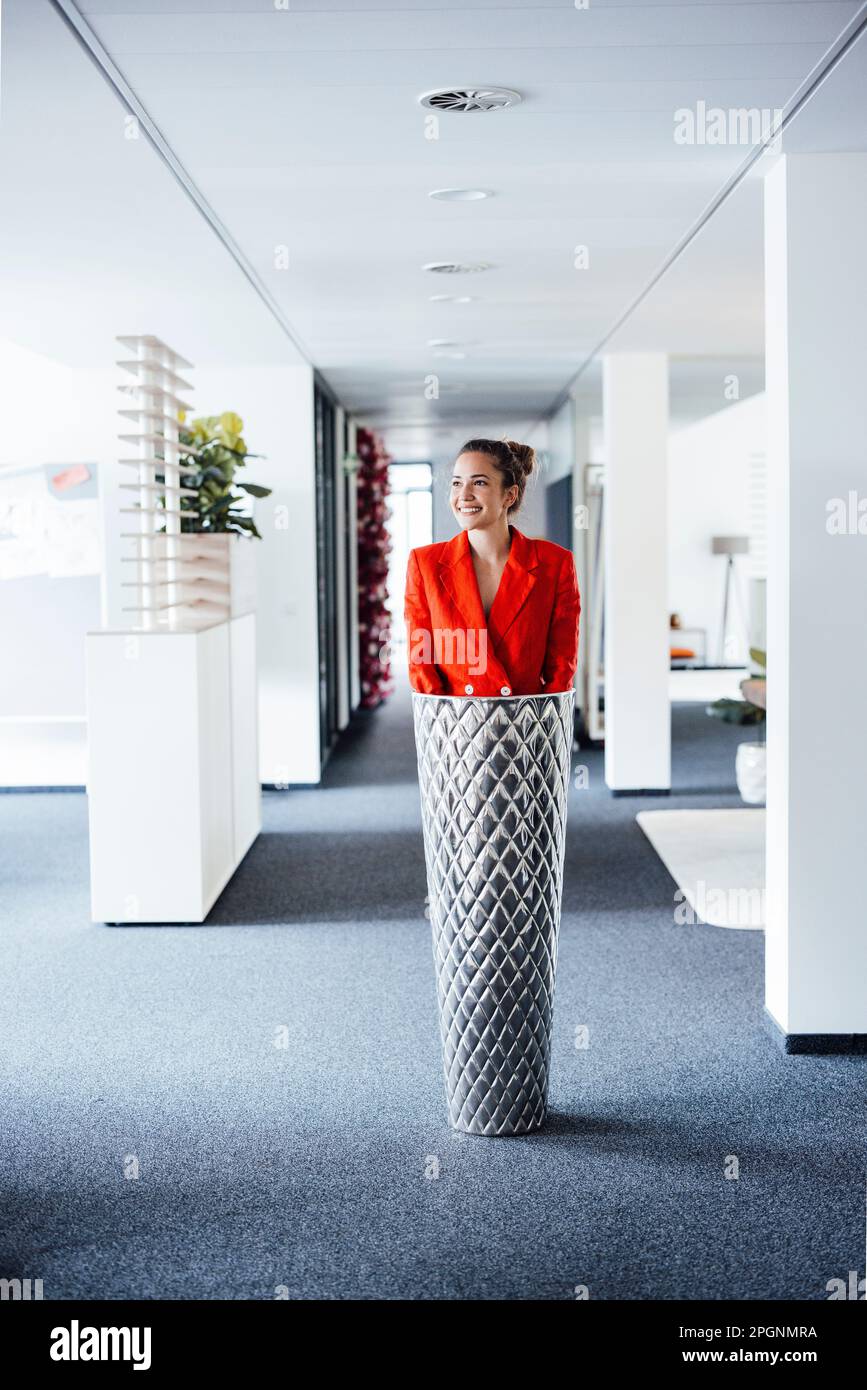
276 404
289 700
580 459
816 347
637 706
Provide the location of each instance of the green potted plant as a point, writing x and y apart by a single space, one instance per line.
218 573
214 446
751 758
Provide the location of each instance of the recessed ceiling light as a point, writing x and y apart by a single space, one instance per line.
452 299
464 99
460 195
444 343
455 267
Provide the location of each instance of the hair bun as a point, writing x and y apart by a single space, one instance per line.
525 455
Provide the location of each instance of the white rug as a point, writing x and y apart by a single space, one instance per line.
717 860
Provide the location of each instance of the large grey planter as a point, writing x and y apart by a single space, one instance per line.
494 776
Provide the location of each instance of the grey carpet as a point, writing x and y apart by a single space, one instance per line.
311 1166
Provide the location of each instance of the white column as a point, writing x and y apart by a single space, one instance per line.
637 706
276 405
580 459
816 346
287 578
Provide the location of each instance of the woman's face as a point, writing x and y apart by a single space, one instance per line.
478 498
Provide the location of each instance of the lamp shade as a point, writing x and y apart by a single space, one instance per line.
730 545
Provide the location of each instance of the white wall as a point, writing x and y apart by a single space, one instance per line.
561 443
709 495
637 710
276 405
56 415
816 336
64 415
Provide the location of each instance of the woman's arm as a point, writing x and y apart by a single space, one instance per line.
561 653
423 674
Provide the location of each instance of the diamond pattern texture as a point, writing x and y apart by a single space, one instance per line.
494 777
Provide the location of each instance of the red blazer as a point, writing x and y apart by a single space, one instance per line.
529 643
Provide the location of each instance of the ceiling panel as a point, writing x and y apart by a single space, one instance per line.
362 31
287 101
96 238
527 71
303 130
612 136
251 7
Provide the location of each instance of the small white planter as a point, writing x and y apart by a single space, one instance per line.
218 578
242 574
751 772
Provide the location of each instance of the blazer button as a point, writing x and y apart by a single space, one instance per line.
468 690
504 690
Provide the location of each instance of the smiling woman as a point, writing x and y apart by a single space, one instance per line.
491 612
478 505
493 615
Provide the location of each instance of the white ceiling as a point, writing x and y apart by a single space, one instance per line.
96 238
302 129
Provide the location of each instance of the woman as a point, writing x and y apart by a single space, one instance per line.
491 612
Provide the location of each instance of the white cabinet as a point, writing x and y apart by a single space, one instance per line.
173 781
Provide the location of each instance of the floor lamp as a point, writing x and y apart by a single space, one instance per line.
730 546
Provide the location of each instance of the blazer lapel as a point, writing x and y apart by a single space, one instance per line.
458 578
516 585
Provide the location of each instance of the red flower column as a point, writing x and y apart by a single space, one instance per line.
374 620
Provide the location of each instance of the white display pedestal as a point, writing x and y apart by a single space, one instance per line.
173 781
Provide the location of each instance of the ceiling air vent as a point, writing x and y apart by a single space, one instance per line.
455 267
470 99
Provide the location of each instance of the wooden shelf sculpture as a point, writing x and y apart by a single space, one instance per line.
176 580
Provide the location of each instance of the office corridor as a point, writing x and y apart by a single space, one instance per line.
255 1104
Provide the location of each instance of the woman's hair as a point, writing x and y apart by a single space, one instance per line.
515 462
